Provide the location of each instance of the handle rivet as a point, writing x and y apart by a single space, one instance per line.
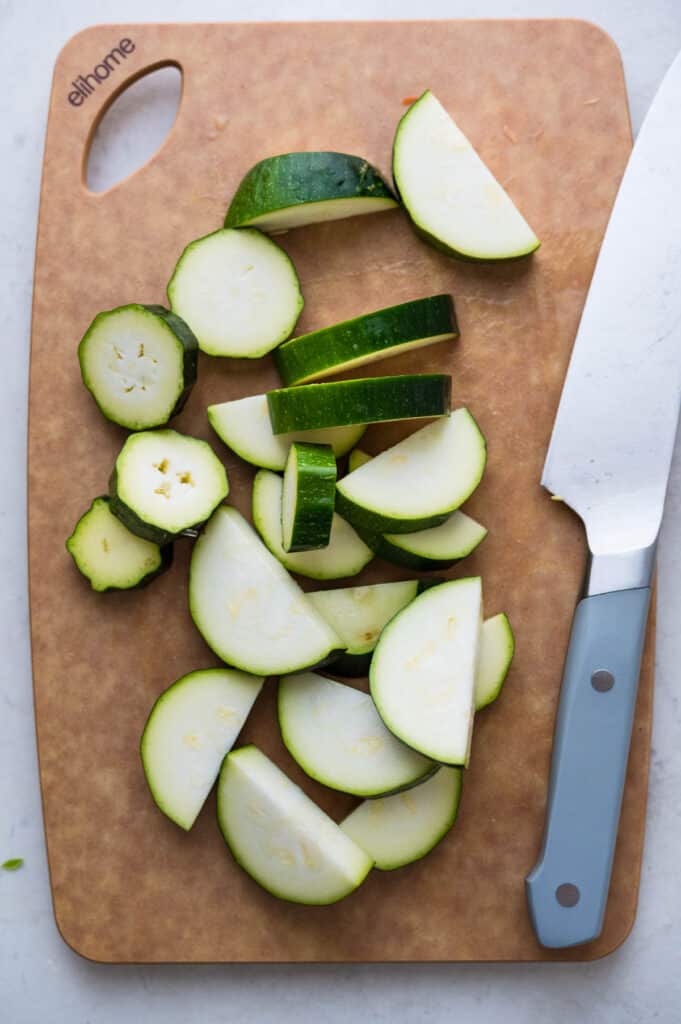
567 894
602 681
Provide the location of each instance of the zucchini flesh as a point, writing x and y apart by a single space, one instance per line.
422 673
308 498
283 840
358 614
164 482
295 189
366 339
452 198
365 400
139 364
244 426
246 606
239 291
109 555
358 458
337 737
191 727
400 829
345 554
418 482
497 645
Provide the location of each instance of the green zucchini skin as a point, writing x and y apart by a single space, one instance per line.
363 400
365 339
311 472
165 556
371 526
134 523
296 179
383 548
183 334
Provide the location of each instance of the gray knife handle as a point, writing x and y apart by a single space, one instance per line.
567 890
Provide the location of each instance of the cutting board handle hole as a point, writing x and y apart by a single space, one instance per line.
133 128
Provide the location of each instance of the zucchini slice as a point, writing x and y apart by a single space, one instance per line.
191 727
366 339
295 189
365 400
337 737
280 837
497 646
397 830
164 483
308 497
244 426
239 291
422 674
345 555
418 482
139 364
109 555
358 458
246 606
452 198
358 614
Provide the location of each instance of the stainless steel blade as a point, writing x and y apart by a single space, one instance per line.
612 442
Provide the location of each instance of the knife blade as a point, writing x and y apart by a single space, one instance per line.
609 459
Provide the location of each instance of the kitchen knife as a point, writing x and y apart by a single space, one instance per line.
609 460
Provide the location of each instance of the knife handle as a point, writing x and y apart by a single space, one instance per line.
567 890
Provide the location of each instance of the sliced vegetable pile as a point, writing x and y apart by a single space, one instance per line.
432 661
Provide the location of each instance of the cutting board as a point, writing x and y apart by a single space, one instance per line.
544 103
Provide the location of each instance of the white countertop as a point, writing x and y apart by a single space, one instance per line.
41 980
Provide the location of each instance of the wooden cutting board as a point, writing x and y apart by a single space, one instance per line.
544 102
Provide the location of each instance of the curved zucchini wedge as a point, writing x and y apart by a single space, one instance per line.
296 189
422 673
358 458
164 483
365 400
244 426
497 646
366 339
452 198
419 482
239 291
308 497
345 554
337 737
191 727
400 829
283 840
246 606
110 556
139 364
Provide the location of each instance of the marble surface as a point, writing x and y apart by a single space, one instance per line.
40 978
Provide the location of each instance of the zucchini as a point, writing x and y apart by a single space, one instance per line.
295 189
418 482
400 829
357 615
422 673
283 840
308 497
366 400
387 332
336 736
246 606
139 364
345 555
244 426
358 458
452 198
239 291
497 646
191 727
164 483
111 557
